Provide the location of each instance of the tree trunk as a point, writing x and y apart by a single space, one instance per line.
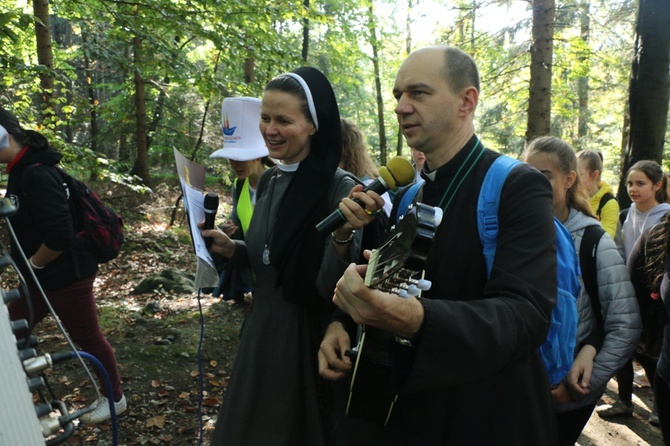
249 70
408 49
649 88
92 99
141 168
583 81
541 54
305 33
45 57
372 27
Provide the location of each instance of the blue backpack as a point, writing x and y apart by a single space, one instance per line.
557 351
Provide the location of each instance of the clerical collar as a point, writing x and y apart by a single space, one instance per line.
429 175
288 167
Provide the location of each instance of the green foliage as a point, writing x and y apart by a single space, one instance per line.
194 54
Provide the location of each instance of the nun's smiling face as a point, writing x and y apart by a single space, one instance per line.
285 127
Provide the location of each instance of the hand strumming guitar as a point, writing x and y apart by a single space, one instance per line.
368 306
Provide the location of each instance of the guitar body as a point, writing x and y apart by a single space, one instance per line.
373 385
379 356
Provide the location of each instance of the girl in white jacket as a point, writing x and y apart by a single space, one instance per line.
646 185
601 348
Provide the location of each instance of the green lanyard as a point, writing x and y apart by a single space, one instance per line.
470 164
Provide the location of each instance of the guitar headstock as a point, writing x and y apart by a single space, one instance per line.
397 266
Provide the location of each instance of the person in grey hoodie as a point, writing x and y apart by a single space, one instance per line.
601 349
646 185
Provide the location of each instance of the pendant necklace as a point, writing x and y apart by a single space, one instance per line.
268 232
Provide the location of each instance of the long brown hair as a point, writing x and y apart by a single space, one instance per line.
656 250
576 196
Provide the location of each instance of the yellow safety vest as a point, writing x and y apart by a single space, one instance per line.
244 207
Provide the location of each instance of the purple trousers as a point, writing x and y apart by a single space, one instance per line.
75 306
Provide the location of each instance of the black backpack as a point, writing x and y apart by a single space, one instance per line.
96 226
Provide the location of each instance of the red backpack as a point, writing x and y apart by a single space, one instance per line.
96 225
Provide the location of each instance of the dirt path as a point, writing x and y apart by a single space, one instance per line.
634 430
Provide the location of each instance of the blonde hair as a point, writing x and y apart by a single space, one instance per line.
355 156
592 160
566 161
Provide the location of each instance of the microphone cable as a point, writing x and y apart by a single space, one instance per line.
51 310
201 378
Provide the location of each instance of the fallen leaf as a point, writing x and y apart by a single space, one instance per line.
157 421
211 402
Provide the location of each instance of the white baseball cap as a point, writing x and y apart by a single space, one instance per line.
242 139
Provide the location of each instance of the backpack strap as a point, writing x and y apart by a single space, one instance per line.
409 195
622 215
603 201
488 204
587 262
588 249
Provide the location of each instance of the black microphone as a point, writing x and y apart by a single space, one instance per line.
398 172
211 204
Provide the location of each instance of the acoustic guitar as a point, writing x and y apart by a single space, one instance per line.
395 267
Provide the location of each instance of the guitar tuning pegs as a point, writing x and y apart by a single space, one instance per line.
424 285
413 290
404 294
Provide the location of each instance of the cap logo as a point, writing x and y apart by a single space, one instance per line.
227 129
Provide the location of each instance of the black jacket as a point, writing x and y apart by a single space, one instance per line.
477 377
43 215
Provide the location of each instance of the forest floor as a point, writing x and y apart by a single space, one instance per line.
174 379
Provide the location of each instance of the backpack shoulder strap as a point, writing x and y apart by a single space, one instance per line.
603 201
622 215
588 249
488 203
405 198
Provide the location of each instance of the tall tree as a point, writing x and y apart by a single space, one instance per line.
541 54
305 32
649 90
45 56
374 42
583 80
408 49
141 168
